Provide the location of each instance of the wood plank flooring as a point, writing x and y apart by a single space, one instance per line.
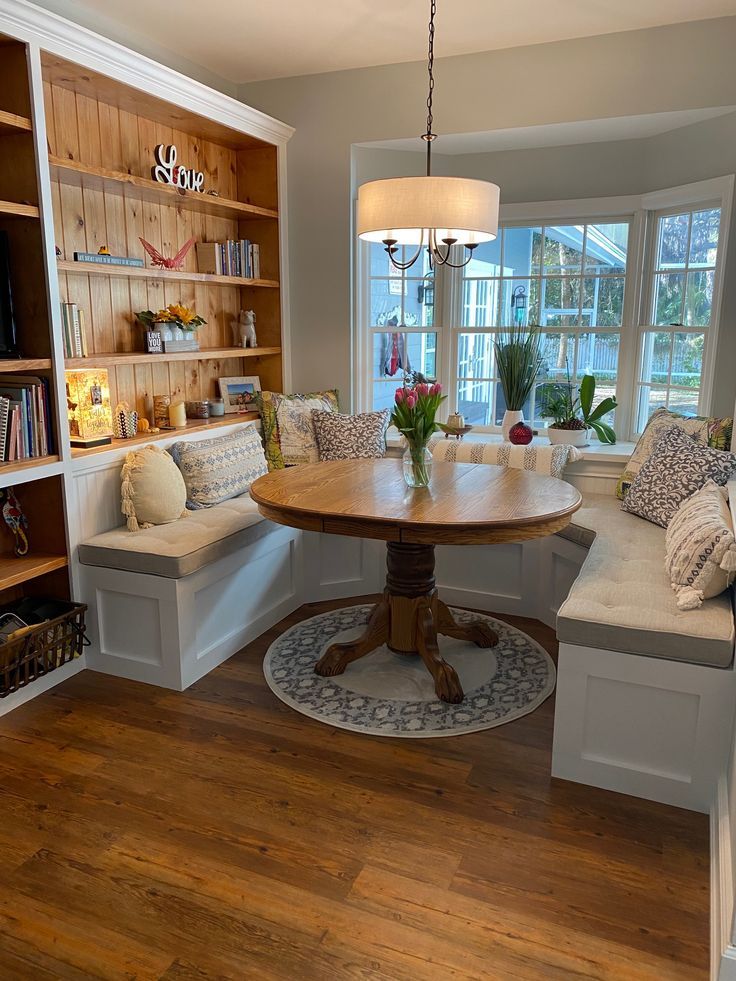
216 833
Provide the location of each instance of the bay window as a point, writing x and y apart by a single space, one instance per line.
629 296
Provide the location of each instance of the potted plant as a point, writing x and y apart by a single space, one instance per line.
573 414
518 359
413 415
174 322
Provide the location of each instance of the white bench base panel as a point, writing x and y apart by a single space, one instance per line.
643 726
171 632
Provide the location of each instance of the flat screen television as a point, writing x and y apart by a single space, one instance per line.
8 340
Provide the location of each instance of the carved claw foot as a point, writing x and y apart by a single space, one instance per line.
337 657
332 662
446 682
479 632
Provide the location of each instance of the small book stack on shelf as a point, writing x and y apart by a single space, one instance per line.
232 258
75 335
25 418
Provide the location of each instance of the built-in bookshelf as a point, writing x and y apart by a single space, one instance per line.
76 151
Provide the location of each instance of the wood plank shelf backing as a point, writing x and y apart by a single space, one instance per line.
98 145
170 275
12 123
15 570
140 357
192 426
96 178
14 210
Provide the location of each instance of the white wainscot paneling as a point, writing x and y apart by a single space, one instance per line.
337 566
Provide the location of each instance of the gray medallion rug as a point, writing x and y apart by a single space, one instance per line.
387 694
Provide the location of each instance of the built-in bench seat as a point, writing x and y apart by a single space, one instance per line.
622 598
182 547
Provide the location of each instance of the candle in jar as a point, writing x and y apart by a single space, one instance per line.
178 415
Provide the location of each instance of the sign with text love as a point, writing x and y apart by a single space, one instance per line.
167 171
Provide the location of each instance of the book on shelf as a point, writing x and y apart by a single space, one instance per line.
25 399
75 334
240 258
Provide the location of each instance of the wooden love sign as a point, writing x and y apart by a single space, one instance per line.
167 171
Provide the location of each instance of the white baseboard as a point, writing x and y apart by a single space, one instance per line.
722 951
29 692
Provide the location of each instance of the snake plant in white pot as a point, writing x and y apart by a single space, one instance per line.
518 359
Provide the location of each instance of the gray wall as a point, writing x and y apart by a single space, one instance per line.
589 78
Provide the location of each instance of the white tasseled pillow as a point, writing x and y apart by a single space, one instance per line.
700 547
153 491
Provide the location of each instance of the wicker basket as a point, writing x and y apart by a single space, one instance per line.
42 648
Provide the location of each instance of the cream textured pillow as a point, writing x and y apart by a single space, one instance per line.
152 490
700 547
296 427
220 468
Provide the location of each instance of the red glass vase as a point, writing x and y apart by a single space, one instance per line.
520 434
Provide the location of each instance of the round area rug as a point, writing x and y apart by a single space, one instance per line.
387 694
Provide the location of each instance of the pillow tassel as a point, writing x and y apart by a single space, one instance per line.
126 494
687 597
728 562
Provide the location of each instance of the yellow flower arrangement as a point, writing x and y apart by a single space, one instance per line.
174 313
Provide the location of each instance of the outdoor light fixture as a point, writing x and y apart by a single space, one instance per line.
431 212
518 305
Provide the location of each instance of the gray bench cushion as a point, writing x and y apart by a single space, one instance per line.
182 547
622 599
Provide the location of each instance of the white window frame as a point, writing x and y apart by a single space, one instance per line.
639 210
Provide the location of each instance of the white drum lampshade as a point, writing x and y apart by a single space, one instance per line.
406 209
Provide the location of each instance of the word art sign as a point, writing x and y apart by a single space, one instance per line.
167 171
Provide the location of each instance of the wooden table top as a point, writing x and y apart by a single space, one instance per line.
466 503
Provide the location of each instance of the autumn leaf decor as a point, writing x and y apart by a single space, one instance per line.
175 314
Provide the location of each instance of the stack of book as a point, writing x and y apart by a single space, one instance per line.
232 258
25 417
75 335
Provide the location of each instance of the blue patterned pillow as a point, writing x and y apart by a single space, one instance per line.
215 470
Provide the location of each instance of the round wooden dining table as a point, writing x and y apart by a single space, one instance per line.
465 504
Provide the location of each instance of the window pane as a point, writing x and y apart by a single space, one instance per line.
563 249
486 259
603 302
650 399
522 251
475 356
685 402
699 298
473 400
418 302
480 302
558 355
383 394
395 353
655 362
598 355
606 247
668 298
704 237
687 359
519 302
672 241
559 304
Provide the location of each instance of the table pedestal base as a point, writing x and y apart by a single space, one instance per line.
408 619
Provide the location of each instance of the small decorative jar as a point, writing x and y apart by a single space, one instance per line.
198 409
161 405
417 463
456 420
217 407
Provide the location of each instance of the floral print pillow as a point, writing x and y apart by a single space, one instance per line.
294 412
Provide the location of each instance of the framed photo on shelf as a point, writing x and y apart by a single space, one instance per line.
239 394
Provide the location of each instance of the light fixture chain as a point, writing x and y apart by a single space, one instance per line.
430 71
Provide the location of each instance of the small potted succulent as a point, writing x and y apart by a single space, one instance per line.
573 415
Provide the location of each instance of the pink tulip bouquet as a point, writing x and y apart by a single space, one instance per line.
413 415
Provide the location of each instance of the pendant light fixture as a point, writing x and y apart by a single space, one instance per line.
432 212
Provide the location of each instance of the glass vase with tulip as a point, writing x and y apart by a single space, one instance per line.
415 408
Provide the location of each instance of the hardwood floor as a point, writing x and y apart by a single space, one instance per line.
216 833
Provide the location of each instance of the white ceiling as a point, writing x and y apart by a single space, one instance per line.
245 40
559 134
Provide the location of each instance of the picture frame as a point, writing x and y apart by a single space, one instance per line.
239 393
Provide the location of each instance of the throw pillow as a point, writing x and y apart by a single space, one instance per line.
215 470
277 409
343 437
708 430
676 469
152 489
700 547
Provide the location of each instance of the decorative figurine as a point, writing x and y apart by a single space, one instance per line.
244 329
163 263
15 519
